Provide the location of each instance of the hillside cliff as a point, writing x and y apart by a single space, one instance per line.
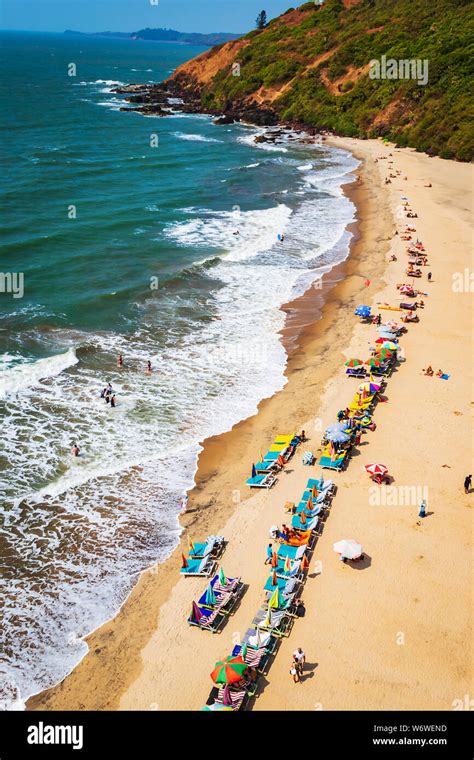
312 66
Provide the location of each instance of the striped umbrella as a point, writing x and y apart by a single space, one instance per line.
376 469
228 670
389 344
370 387
353 363
373 362
383 353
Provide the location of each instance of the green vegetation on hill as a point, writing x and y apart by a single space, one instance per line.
337 93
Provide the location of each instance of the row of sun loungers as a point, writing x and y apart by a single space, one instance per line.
264 472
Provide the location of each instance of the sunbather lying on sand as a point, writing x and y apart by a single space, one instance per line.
428 371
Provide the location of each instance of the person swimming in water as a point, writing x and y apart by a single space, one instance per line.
112 401
120 361
148 366
103 392
75 450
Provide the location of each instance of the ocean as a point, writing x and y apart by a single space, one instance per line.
154 238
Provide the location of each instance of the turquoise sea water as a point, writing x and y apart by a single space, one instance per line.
173 257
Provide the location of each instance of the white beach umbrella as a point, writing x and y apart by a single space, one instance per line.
348 548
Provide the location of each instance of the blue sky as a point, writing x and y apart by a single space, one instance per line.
130 15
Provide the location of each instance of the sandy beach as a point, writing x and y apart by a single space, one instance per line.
395 631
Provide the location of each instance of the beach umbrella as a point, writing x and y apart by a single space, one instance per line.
222 578
274 562
383 353
217 707
373 362
381 340
370 387
210 598
276 600
362 311
191 545
336 427
309 504
227 697
267 621
254 471
393 325
228 670
287 564
196 614
338 436
390 344
376 469
274 579
303 517
314 492
353 363
243 651
348 548
406 289
185 562
304 562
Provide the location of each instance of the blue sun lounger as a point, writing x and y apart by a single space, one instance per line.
293 552
293 573
213 544
285 585
308 525
234 586
333 464
204 566
225 602
328 485
256 639
211 620
261 481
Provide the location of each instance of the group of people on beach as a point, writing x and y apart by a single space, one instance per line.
108 394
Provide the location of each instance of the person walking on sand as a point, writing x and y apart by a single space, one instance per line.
294 672
429 276
422 512
467 484
299 659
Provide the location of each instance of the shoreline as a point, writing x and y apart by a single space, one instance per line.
140 658
321 303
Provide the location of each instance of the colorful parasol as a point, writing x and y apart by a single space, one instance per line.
376 469
229 670
353 363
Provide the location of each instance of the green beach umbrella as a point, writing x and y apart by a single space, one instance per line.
390 344
373 362
353 363
222 578
243 651
210 598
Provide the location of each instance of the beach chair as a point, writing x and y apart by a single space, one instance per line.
255 658
293 552
285 585
310 524
225 602
237 698
328 486
333 464
293 572
267 467
276 621
261 481
213 545
256 638
233 585
283 439
207 620
359 372
199 567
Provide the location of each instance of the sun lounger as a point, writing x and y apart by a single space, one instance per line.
333 464
225 602
213 545
293 552
209 620
308 525
237 697
256 638
314 512
294 571
276 621
285 585
326 486
304 538
255 658
356 372
285 439
203 567
262 481
233 585
267 467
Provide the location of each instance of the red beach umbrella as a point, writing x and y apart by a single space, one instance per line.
303 517
228 670
185 562
274 559
376 469
353 363
304 562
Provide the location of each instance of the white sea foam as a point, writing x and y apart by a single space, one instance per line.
195 138
28 374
